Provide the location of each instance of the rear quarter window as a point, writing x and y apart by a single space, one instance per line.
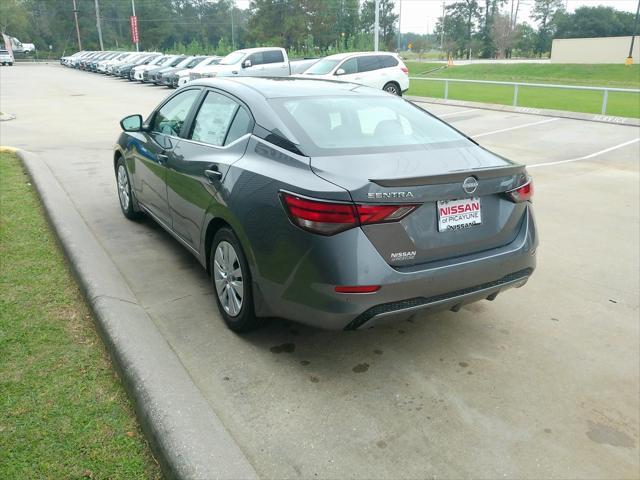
368 63
387 61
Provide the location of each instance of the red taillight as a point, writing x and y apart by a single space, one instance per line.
405 70
523 193
358 289
329 218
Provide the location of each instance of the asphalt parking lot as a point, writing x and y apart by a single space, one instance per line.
543 382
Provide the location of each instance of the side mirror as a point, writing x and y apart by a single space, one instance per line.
340 71
132 123
246 64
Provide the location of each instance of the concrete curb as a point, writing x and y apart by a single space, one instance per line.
590 117
185 434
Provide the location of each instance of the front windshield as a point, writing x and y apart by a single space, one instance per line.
362 122
177 61
233 58
183 63
194 62
323 67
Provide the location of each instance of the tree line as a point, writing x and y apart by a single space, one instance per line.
493 28
478 28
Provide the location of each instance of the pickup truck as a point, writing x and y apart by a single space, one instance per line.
255 62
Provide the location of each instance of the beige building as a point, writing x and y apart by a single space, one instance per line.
594 50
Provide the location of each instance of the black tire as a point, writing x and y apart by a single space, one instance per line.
124 191
244 318
393 88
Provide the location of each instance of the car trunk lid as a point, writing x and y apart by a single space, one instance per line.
449 220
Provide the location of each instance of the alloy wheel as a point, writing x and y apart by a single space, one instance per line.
123 188
228 278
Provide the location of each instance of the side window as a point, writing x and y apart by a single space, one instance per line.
368 63
387 61
350 66
213 119
170 118
273 56
241 124
256 59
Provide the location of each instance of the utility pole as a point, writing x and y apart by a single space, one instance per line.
98 25
376 25
75 14
629 60
233 38
133 10
400 27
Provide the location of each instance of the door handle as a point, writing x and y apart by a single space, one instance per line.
162 158
213 175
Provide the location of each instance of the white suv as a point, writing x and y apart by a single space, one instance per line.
374 69
6 57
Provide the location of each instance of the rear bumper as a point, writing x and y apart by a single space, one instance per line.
438 285
404 309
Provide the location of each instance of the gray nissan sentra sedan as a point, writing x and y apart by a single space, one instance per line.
331 204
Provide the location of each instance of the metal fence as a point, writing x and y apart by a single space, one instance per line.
605 90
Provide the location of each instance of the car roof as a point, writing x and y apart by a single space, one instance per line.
256 49
342 56
280 87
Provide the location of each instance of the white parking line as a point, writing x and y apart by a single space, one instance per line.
586 157
451 114
548 120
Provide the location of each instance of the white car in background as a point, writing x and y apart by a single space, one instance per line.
138 72
382 70
184 76
6 58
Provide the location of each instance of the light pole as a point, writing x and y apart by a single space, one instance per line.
233 38
399 27
98 25
75 14
133 10
629 60
376 25
442 28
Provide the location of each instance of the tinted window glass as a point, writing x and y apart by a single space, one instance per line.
356 123
213 119
273 56
350 66
170 118
321 67
368 63
387 61
256 59
241 125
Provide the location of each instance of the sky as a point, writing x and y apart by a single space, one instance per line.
420 16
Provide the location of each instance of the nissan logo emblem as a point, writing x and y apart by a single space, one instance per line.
470 185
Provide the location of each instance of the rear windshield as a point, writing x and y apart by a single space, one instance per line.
323 67
362 124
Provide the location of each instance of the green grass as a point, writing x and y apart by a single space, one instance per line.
63 411
619 103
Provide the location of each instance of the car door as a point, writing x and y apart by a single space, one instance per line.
151 156
350 69
369 71
274 63
217 138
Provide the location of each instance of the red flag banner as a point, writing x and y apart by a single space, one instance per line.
134 29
